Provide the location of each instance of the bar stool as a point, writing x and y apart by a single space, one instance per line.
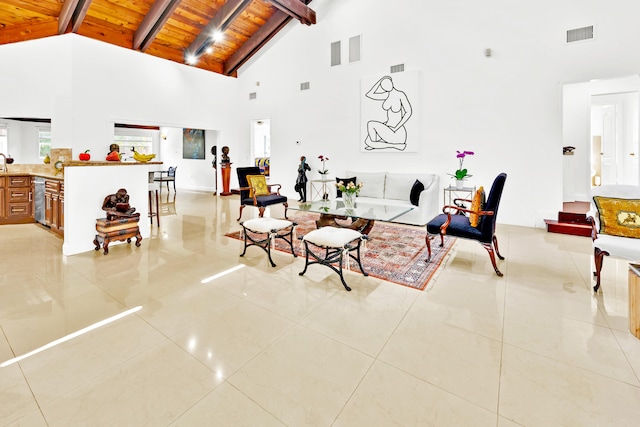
153 195
336 245
262 232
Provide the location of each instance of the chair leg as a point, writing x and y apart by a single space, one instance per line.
241 208
174 185
167 186
489 248
427 240
286 205
598 257
495 245
261 211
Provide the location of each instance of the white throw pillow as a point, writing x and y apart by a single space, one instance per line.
398 186
373 183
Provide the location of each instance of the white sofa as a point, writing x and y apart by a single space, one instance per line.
395 189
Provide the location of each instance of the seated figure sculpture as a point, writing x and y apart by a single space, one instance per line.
117 206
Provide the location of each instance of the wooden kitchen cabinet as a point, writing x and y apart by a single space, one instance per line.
54 205
16 200
3 207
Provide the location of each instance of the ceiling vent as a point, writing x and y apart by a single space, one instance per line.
253 95
397 68
304 86
335 53
580 34
354 49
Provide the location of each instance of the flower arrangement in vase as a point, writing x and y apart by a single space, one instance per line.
461 173
349 192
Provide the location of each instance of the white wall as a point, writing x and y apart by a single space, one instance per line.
507 107
86 86
190 174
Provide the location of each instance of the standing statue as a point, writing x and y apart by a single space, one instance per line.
225 165
301 181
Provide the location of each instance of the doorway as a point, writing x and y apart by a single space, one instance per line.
261 144
614 139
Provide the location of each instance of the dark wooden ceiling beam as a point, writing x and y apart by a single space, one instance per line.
296 9
227 13
260 38
66 13
256 41
73 11
153 22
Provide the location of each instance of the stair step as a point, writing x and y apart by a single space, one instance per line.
571 228
572 217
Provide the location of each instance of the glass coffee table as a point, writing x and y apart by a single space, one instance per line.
361 218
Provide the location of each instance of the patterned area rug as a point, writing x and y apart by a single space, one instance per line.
393 253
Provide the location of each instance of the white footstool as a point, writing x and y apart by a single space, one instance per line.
337 245
262 232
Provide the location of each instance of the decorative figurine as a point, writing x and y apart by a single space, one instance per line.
301 181
225 155
117 206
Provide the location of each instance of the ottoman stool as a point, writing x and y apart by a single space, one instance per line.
336 246
262 232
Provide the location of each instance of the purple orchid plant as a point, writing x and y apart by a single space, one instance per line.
462 173
324 170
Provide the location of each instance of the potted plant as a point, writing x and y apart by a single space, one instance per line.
461 173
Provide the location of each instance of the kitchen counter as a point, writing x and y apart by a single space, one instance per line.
49 171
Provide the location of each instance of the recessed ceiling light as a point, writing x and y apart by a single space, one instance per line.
210 50
191 59
218 36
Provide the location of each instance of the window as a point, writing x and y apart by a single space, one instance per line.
44 142
128 139
3 139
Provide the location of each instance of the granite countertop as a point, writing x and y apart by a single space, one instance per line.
49 170
106 163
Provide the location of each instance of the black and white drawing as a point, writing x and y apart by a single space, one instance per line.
387 110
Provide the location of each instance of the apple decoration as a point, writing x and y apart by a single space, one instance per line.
85 156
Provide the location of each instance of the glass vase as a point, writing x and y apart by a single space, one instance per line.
349 200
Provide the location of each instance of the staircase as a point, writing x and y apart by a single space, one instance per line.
571 220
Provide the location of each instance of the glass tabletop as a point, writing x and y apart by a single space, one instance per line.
373 211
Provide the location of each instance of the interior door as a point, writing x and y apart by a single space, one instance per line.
614 135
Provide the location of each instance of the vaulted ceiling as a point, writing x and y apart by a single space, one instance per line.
215 35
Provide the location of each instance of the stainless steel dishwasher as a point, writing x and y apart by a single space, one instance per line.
38 200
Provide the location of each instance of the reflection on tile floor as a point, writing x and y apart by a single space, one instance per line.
262 346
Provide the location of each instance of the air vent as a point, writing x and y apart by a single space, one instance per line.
397 68
335 53
354 49
253 95
579 34
304 86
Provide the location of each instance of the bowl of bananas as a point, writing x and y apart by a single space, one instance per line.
142 158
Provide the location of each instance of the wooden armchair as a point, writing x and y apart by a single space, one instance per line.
258 194
615 224
452 224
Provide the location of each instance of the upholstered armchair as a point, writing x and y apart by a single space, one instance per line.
256 192
615 221
478 224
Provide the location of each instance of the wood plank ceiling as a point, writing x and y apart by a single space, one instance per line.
184 31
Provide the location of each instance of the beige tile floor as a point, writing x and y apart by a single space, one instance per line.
262 346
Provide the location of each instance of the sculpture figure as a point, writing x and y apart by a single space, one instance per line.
117 206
